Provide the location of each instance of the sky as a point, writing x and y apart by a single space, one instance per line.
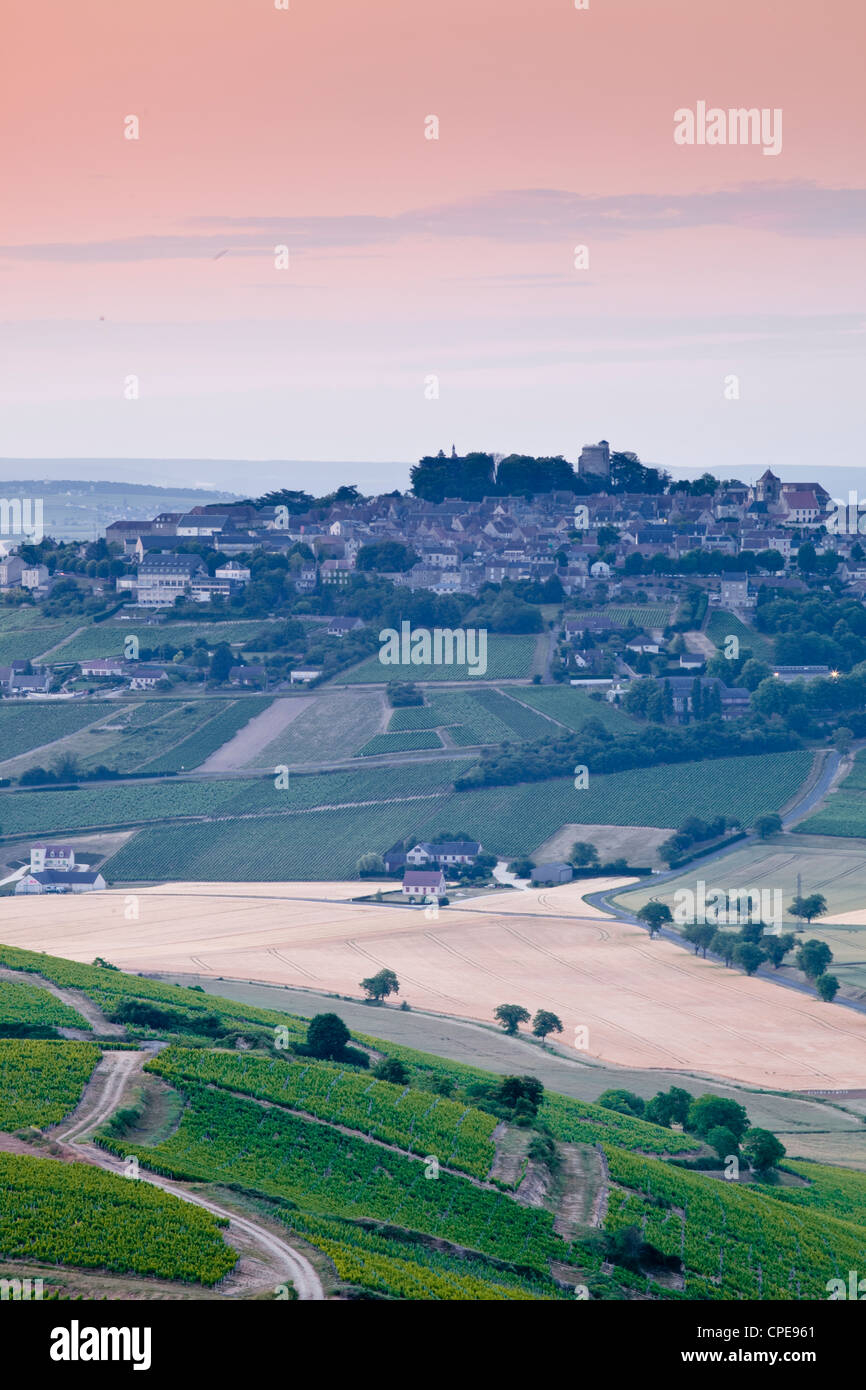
431 294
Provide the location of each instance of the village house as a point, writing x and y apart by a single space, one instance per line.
445 852
55 881
56 857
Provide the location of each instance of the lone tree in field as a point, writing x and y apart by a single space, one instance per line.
813 958
768 825
815 905
511 1016
655 914
763 1150
584 855
544 1023
379 986
327 1036
827 987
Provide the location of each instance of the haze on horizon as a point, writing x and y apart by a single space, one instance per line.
411 258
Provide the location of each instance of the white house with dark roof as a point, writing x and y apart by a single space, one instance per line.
45 856
423 883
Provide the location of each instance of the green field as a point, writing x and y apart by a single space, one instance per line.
508 820
25 633
836 869
107 639
398 743
844 812
473 717
636 614
569 705
508 658
722 625
29 726
41 1082
77 1214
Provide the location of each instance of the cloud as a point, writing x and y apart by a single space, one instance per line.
516 216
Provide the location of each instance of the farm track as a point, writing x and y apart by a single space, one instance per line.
281 1260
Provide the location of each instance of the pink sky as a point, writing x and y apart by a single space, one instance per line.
412 257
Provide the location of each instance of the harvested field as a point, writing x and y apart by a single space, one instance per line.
645 1003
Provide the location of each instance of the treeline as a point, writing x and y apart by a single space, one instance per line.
474 476
597 749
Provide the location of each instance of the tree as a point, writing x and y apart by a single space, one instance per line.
668 1107
815 905
544 1023
390 1069
700 935
511 1016
777 947
842 739
748 957
521 868
763 1150
583 854
827 987
813 958
723 1140
624 1102
724 944
768 825
371 866
524 1092
655 914
382 984
709 1111
221 662
327 1036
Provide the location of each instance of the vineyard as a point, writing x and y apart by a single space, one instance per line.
734 1241
404 1269
24 1007
107 987
633 614
845 811
508 658
398 743
43 812
722 625
107 639
572 707
414 1120
328 1173
29 726
473 717
77 1214
211 732
41 1082
507 820
25 633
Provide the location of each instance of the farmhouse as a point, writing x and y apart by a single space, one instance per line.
447 852
423 883
55 881
60 857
